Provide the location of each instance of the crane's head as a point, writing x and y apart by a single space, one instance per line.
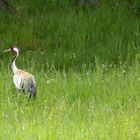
12 49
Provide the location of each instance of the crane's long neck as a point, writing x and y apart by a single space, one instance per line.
13 64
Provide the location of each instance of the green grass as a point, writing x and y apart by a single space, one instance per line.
70 36
101 104
86 65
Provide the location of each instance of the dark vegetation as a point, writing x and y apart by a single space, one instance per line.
72 34
5 6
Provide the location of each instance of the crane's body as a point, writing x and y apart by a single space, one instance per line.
23 80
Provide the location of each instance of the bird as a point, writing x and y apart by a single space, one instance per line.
24 81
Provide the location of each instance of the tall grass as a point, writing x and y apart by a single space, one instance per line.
74 53
103 104
70 36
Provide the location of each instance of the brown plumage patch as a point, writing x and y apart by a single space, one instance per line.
24 74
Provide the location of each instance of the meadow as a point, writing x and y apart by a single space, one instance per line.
86 64
91 105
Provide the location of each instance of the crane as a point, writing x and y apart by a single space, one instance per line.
23 80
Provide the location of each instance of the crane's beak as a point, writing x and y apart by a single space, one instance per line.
8 50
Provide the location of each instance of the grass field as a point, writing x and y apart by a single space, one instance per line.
93 105
86 65
69 36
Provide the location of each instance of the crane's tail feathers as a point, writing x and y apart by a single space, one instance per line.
29 88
